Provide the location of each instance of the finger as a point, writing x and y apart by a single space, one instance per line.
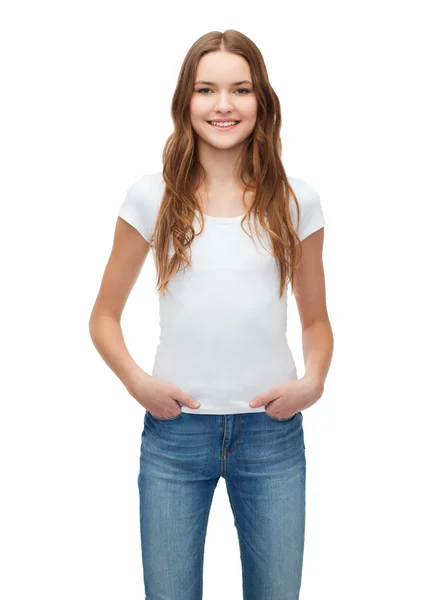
187 400
272 394
257 402
260 401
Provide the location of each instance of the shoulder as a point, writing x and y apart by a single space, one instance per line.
146 188
304 191
141 202
310 207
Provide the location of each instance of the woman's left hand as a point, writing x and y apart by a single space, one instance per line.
290 397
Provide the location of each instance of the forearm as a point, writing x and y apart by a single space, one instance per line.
107 337
318 346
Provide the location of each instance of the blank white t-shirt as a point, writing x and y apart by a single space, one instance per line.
222 322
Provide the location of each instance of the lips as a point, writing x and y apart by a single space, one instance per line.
223 128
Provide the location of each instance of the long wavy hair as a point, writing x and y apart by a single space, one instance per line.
260 169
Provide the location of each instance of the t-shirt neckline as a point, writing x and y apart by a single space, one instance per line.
222 219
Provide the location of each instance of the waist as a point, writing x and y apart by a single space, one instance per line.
223 367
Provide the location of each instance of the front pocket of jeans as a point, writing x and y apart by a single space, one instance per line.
174 418
279 420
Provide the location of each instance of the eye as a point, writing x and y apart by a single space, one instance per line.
239 90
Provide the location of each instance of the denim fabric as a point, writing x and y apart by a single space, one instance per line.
262 460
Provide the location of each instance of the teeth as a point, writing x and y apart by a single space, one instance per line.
226 124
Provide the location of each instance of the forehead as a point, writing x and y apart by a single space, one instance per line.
223 68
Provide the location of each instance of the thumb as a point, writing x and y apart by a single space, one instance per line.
259 401
265 398
188 400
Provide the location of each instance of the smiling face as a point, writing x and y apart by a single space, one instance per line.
227 94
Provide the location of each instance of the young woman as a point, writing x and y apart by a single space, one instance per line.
224 398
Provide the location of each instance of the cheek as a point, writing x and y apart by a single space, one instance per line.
197 107
249 110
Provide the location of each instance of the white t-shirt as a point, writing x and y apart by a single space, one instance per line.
222 323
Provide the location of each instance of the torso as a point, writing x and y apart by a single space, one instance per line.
222 323
225 206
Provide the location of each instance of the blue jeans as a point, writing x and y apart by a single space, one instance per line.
262 460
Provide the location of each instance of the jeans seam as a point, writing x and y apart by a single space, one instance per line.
240 541
238 437
203 545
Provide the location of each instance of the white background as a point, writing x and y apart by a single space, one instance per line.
85 112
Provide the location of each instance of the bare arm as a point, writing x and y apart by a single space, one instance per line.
123 268
310 296
126 260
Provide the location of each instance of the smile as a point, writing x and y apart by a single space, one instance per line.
223 126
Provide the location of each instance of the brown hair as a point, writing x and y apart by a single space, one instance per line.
260 168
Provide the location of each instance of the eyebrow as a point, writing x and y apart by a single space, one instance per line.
211 83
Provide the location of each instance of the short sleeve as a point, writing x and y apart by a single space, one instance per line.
139 207
311 210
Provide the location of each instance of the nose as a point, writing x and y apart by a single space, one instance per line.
223 103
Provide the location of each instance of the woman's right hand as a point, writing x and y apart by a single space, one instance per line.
158 396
